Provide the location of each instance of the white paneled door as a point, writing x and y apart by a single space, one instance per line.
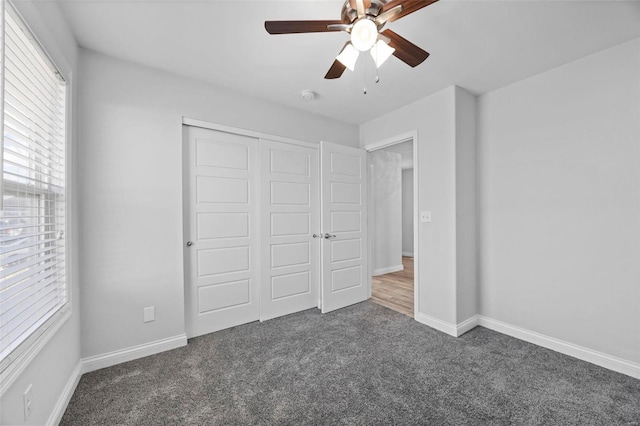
270 228
290 216
221 230
344 224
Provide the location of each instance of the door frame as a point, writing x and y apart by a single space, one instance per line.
186 121
385 143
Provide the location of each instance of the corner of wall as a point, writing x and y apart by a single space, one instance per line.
466 200
478 210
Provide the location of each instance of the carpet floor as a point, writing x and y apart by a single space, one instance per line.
361 365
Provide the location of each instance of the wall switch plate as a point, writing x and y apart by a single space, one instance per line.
150 314
27 398
425 216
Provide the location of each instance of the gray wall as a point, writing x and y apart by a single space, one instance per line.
440 144
52 367
559 209
131 190
386 191
466 236
407 212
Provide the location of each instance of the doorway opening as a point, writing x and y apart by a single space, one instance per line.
393 224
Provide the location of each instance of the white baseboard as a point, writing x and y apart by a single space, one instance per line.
445 327
467 325
407 254
585 354
129 354
87 365
455 330
65 396
387 270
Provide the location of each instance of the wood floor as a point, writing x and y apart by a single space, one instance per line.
395 290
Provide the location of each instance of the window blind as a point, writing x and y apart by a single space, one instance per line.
32 221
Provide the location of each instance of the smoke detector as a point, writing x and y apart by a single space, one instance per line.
308 95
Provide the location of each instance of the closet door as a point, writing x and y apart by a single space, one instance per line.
290 217
344 224
220 230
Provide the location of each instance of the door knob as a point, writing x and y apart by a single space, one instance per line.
317 236
189 243
327 236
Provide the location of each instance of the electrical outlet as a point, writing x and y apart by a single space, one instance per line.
425 216
27 398
150 314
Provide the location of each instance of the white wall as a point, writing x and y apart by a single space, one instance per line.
407 212
434 119
386 193
131 190
467 304
50 371
559 209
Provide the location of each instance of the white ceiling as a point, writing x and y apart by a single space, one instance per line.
479 45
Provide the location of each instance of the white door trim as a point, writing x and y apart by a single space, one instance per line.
244 132
394 140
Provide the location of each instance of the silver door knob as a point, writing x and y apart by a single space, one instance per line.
327 236
316 236
189 243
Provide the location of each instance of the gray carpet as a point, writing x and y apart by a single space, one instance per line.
362 365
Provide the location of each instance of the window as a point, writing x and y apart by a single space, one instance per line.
33 284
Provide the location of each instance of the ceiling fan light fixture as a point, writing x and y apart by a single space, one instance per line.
364 34
364 21
349 56
381 52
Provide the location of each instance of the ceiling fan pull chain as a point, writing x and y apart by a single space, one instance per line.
375 61
364 67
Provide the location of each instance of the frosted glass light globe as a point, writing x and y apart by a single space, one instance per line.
364 34
348 57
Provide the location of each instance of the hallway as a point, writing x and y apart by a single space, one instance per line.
395 290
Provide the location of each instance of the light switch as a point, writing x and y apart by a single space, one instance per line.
150 314
425 216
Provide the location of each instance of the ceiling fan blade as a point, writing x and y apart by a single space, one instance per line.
335 71
408 6
293 27
384 38
406 51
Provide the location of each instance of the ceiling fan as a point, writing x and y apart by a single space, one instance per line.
364 20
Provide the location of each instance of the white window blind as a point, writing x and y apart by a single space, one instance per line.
32 221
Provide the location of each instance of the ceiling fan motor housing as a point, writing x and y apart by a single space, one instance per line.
349 14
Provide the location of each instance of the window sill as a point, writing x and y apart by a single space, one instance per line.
15 364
